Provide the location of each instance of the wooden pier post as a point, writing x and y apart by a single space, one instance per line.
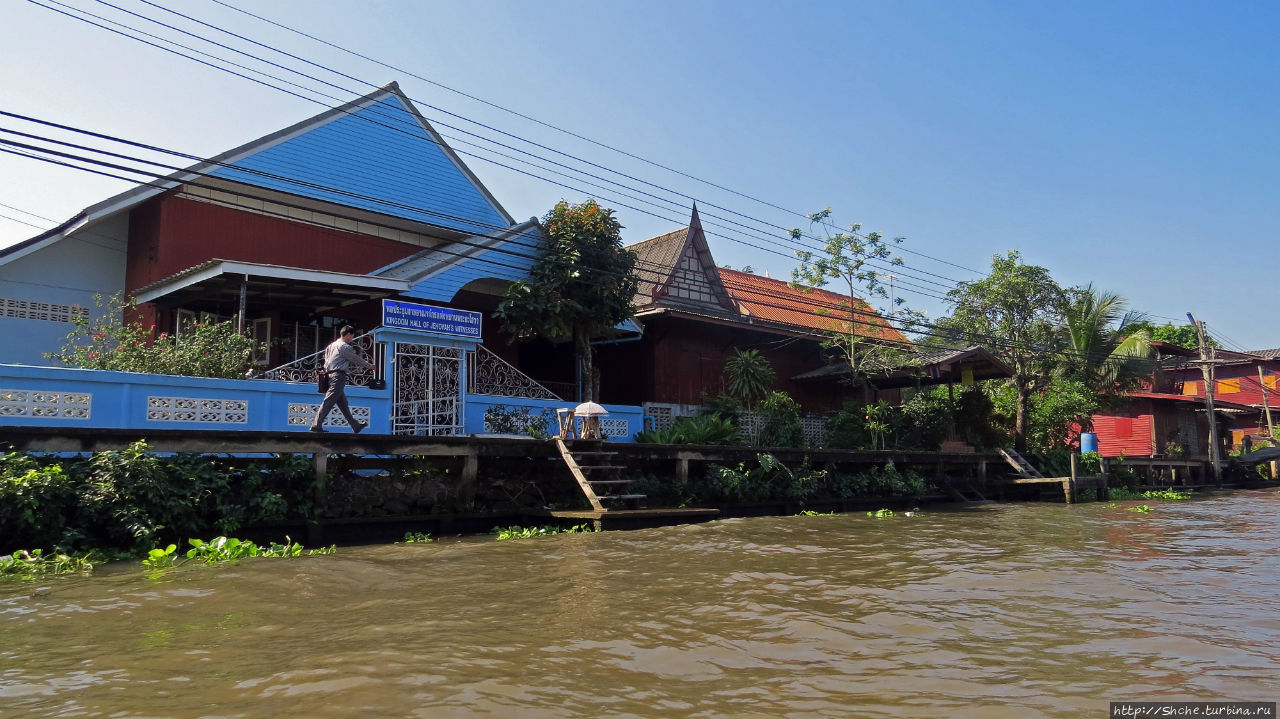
467 482
320 466
1069 484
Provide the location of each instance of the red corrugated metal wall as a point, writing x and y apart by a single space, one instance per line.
170 234
1129 432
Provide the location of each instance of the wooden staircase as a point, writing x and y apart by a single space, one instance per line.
1017 461
600 481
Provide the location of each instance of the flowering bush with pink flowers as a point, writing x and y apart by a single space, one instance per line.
112 341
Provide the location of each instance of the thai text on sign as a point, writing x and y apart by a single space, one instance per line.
427 318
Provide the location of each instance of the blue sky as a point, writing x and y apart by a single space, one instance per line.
1128 144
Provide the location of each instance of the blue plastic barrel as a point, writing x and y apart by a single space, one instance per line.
1088 442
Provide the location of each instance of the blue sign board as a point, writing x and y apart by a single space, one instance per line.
426 318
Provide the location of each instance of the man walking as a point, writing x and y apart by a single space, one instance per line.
338 358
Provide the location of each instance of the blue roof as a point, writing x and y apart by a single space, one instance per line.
377 155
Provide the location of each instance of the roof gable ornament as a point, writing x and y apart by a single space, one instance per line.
677 269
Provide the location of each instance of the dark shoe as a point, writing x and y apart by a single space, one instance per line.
359 426
322 430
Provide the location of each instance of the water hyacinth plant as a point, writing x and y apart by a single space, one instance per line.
26 565
517 532
223 549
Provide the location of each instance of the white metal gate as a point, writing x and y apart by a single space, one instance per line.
428 390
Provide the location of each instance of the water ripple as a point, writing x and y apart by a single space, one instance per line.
995 611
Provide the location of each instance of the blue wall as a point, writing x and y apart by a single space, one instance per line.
69 271
624 420
64 397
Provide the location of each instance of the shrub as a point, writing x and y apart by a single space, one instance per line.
782 426
131 499
507 419
115 341
890 481
768 480
846 429
703 429
36 500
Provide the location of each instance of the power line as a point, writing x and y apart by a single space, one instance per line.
881 320
489 160
28 212
732 239
21 222
548 125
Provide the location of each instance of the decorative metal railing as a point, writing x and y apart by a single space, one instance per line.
489 374
304 369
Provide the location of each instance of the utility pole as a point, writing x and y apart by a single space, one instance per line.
1206 363
1271 430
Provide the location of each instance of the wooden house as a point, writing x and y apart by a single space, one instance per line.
695 314
1244 379
1170 416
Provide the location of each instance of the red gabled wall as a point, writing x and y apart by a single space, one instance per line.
1237 383
681 361
170 234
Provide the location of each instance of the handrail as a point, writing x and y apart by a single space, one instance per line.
304 369
489 374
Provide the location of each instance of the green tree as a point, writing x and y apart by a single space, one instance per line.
1015 312
1179 335
115 340
861 337
749 376
1054 410
579 288
1104 347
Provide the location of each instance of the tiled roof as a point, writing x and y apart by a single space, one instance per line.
778 301
655 261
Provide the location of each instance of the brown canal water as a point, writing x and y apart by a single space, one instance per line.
1029 610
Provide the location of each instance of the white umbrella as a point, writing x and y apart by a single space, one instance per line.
590 409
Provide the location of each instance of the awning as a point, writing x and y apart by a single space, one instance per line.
943 367
283 288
